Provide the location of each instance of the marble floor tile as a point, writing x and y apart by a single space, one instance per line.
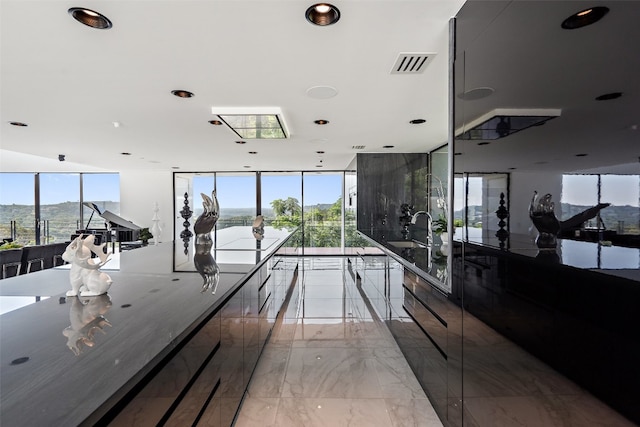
329 333
412 413
268 377
543 411
323 412
315 290
258 411
331 372
324 307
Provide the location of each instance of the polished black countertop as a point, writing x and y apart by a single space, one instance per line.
596 256
427 259
150 307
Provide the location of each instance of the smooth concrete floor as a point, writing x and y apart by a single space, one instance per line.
330 362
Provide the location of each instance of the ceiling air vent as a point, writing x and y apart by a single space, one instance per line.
411 62
358 147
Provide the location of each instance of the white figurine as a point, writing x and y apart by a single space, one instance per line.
86 279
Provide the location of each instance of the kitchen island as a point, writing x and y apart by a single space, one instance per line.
155 348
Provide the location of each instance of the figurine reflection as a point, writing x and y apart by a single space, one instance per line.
541 212
207 267
86 317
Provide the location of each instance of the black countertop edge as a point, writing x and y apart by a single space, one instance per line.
406 263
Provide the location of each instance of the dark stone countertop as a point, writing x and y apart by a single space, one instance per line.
150 308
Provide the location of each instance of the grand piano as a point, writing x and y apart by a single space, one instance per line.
114 227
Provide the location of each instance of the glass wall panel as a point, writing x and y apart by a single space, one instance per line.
322 212
237 197
281 199
623 192
103 190
59 206
17 208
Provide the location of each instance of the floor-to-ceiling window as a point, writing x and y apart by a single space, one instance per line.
17 208
281 199
41 208
284 199
322 212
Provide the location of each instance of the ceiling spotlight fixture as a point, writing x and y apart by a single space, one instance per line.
318 166
90 18
247 166
175 167
61 157
240 142
19 124
585 17
321 122
215 122
180 93
322 14
126 154
609 96
582 155
388 146
319 152
417 121
253 152
484 143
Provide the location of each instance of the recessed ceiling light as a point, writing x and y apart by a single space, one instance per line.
417 121
511 169
388 146
175 167
609 96
240 142
321 122
90 18
126 154
585 17
253 152
483 143
322 14
19 124
582 155
180 93
320 152
247 166
318 166
215 122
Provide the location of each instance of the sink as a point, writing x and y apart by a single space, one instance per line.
407 244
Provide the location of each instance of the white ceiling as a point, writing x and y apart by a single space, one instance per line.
69 83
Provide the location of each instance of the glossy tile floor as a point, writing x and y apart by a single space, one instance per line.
329 363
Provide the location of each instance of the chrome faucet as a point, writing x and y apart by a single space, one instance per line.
414 218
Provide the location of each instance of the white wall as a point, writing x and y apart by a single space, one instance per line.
522 186
139 191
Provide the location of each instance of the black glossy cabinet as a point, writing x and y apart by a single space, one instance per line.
204 382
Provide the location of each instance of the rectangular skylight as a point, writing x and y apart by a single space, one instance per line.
253 123
503 122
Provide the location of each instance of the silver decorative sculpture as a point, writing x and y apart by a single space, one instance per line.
203 260
207 220
84 274
541 212
258 227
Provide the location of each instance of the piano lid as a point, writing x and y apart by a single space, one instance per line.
92 206
116 220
